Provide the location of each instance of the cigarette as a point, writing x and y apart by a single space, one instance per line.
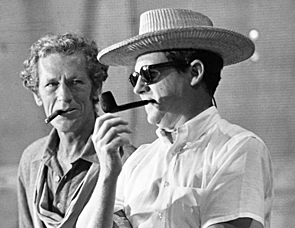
53 115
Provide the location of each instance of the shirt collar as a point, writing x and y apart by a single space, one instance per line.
190 131
50 148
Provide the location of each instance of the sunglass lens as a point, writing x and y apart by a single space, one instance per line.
133 78
145 76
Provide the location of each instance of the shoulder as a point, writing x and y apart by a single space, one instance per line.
34 149
238 149
31 157
233 142
236 134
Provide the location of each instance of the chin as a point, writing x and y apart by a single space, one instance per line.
65 128
151 121
153 118
65 125
165 122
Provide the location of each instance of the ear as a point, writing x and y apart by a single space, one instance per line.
197 72
38 100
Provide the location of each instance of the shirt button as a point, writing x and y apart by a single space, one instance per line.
166 184
59 205
160 215
57 178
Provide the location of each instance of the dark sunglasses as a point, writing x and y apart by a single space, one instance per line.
150 73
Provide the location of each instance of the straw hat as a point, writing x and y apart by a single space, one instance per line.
164 29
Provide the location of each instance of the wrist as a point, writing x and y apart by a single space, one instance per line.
107 176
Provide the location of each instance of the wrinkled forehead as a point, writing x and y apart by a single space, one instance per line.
57 63
55 57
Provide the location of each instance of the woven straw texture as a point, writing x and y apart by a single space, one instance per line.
166 29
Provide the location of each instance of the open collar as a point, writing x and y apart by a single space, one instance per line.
49 149
192 130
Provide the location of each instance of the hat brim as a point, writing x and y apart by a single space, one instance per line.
233 47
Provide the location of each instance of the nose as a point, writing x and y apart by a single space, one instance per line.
64 93
140 87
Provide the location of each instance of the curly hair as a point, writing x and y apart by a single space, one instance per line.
66 44
213 64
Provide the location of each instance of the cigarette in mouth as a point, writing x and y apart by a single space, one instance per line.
53 115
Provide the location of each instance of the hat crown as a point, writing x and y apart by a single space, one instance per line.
164 19
170 29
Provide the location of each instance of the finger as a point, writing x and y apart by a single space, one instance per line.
106 121
113 147
111 134
110 152
110 157
101 119
115 132
110 124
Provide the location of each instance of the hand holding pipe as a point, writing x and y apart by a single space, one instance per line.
108 103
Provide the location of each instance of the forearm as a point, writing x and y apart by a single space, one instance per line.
238 223
223 225
106 138
99 210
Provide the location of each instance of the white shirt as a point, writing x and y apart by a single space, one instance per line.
213 172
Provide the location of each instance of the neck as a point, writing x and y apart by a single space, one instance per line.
71 144
201 102
70 141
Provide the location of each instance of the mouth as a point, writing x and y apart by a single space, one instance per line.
69 110
153 102
53 115
65 111
58 112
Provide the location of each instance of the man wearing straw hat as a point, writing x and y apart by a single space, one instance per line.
202 171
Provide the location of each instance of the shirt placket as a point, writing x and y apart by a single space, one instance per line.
166 193
64 186
59 185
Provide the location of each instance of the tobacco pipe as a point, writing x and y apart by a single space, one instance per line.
108 103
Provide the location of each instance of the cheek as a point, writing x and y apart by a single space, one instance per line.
164 88
86 101
172 85
45 99
83 98
168 92
83 93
